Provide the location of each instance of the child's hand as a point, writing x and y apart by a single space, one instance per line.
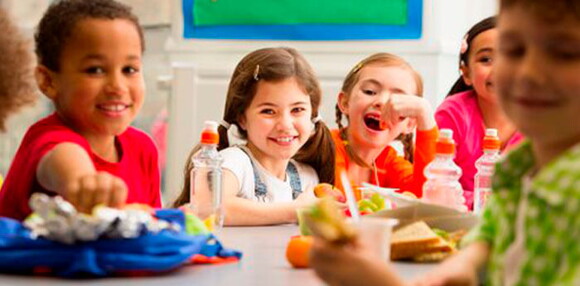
350 264
98 188
402 106
450 272
305 199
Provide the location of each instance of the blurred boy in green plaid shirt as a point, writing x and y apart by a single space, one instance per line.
530 227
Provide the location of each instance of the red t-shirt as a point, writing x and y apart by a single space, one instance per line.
393 171
138 165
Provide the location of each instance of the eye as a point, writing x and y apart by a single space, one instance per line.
298 109
267 111
565 55
512 50
485 60
94 70
369 92
130 70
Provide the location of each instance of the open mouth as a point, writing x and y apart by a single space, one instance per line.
373 122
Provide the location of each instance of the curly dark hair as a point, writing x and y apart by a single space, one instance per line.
60 19
17 85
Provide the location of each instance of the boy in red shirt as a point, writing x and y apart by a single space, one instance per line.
90 55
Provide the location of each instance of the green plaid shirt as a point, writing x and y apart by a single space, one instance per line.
552 219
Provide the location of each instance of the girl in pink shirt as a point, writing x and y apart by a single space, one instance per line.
471 105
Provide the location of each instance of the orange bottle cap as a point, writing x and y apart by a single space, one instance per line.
210 135
491 140
445 143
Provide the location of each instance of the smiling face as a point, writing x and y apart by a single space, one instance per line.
538 74
365 102
477 72
99 87
278 120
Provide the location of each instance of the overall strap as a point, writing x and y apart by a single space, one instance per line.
294 177
260 189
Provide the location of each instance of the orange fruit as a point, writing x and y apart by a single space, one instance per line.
298 251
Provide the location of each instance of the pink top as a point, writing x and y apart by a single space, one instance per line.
138 165
460 113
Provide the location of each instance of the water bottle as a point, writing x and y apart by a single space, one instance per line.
485 165
442 186
206 178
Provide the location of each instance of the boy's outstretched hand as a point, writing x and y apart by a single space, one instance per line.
94 189
69 171
350 264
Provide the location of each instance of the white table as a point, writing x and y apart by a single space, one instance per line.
263 263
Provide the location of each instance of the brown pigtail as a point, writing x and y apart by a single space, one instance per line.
408 146
318 152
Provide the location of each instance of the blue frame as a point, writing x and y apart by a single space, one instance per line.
307 32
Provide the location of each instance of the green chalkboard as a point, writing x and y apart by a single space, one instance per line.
288 12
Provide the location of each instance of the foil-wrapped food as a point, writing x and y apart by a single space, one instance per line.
56 219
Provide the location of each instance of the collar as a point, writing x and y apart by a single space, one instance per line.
554 183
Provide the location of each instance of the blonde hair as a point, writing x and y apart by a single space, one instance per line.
378 59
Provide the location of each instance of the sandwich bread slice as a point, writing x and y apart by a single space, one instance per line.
417 239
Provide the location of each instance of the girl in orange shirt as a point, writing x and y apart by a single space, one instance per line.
381 98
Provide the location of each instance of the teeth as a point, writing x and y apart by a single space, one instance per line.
284 139
114 108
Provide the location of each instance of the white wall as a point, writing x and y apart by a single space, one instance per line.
199 93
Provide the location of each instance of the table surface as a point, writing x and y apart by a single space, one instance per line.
263 263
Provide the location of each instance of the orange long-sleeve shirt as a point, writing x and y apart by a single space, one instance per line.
393 171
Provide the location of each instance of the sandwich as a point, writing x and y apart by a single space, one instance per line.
418 242
327 221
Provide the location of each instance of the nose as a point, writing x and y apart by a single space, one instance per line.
116 83
285 121
530 75
382 98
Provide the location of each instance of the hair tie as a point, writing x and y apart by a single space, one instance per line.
464 45
316 119
225 124
233 133
257 72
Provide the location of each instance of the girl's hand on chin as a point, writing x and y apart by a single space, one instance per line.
402 106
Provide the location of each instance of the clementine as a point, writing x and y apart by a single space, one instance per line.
298 251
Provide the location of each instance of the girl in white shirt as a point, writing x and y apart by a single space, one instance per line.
272 101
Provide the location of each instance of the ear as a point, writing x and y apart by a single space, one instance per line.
343 103
409 126
46 80
242 122
465 74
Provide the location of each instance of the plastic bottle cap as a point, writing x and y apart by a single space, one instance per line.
491 132
210 135
446 133
445 143
491 140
